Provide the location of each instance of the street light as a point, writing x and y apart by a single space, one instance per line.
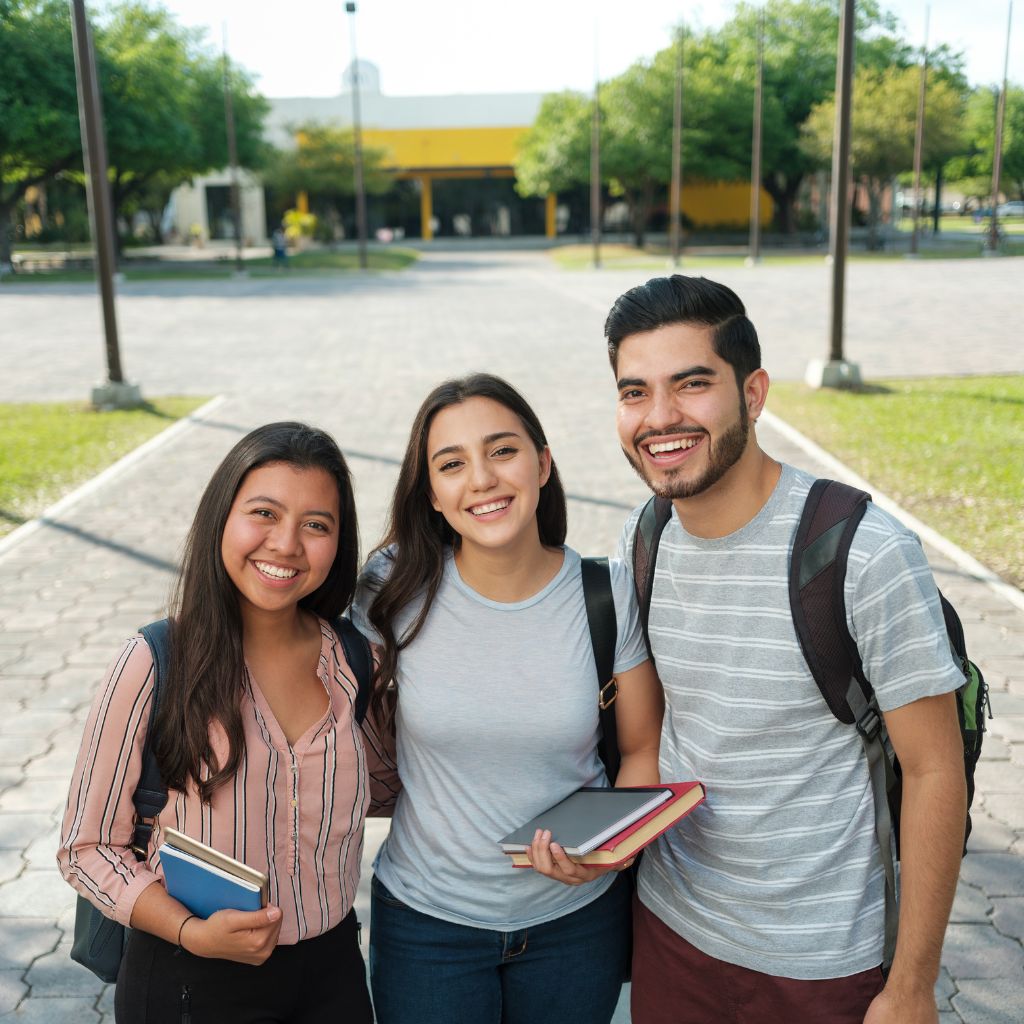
115 392
357 133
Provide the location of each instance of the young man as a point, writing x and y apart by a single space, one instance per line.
767 905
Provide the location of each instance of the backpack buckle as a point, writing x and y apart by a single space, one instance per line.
870 723
603 700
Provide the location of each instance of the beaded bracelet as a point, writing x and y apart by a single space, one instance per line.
181 948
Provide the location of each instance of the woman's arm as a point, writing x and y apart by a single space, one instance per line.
639 707
95 855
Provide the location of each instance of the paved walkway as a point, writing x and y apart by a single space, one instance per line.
356 356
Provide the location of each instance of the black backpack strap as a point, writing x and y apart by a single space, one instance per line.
817 597
817 575
600 603
360 660
150 796
650 526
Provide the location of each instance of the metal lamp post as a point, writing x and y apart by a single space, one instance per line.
115 392
357 134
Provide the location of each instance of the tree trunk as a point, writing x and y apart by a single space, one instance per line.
6 214
874 190
783 191
938 199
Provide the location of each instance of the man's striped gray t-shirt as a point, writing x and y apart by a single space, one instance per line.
780 870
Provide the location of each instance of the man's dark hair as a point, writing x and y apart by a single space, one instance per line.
687 300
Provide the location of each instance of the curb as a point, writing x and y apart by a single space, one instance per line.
123 464
933 538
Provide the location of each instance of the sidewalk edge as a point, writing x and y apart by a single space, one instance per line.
26 530
932 537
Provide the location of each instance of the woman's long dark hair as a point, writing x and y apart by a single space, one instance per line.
418 535
204 681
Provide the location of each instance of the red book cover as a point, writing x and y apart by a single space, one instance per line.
631 840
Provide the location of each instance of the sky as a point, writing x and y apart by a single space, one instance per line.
431 47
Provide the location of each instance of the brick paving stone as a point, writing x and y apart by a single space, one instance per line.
11 865
22 939
35 894
56 1011
992 1001
12 990
1006 807
56 974
34 723
979 951
1008 916
970 906
944 989
19 829
34 793
996 874
999 777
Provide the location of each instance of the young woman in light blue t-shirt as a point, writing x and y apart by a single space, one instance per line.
477 607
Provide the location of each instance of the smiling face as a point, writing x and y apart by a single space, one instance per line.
682 425
485 474
281 536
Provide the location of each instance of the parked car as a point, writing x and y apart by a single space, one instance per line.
1014 208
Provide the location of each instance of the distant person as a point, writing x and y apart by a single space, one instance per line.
769 907
279 241
478 606
257 745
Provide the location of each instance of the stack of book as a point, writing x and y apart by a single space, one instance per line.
206 880
607 827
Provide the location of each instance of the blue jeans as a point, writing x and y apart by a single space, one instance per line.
427 971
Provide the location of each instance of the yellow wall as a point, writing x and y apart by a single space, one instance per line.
722 202
430 148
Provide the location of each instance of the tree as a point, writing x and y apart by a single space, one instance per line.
153 147
554 155
323 165
800 73
39 135
973 170
882 132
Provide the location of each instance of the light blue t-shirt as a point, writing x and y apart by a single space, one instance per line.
497 720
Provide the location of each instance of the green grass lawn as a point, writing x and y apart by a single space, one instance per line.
949 450
616 256
46 450
315 261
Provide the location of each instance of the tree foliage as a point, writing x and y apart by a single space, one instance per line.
555 153
39 134
973 168
883 120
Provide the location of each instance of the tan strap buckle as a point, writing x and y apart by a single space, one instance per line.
605 701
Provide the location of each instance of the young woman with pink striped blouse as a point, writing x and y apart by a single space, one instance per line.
259 749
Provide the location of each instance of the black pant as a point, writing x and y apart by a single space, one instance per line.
318 980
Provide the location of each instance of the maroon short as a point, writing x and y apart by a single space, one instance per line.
675 983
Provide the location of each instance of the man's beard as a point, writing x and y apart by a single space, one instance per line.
723 454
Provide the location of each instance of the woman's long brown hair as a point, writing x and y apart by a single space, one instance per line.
206 676
416 536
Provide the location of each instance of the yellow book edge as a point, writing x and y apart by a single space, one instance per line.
216 859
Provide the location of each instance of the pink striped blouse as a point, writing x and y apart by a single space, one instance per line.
293 811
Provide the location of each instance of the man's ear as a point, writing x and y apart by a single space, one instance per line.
755 392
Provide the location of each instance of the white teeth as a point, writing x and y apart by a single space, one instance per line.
671 446
276 571
482 510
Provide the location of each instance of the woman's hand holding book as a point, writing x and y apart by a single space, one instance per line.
551 860
245 936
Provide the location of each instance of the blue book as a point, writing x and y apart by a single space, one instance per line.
206 880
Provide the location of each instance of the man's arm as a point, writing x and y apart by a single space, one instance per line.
925 735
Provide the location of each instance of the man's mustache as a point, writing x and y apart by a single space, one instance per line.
679 428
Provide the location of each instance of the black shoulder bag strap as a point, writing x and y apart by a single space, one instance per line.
150 796
357 654
650 526
600 603
817 597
